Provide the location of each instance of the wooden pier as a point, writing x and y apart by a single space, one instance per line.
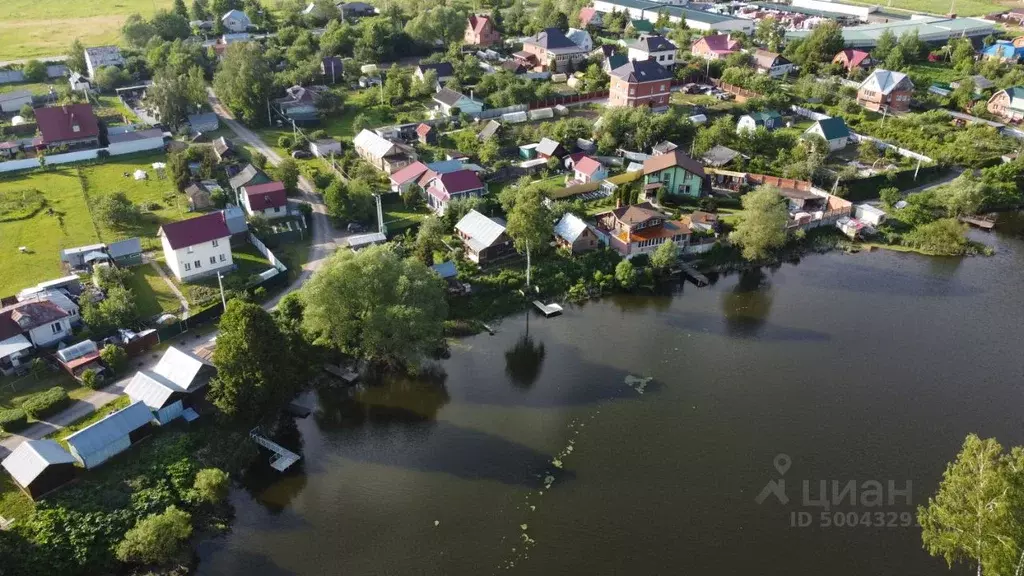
983 222
548 310
692 273
282 458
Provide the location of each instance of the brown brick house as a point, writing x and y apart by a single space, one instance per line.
480 31
640 83
886 90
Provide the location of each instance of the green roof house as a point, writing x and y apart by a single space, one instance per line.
1008 104
642 26
833 130
769 119
674 171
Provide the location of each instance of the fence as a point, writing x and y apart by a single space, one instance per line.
81 155
496 112
566 100
267 253
806 113
741 94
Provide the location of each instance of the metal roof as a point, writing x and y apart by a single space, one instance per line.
445 269
14 344
481 230
375 145
151 389
31 458
110 429
125 248
180 368
75 351
929 29
547 146
364 240
570 227
884 81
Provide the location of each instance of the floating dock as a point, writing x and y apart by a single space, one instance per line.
548 310
983 222
692 273
282 458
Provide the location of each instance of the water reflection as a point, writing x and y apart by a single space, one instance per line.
523 361
276 490
747 306
385 399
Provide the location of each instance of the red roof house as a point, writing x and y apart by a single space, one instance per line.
715 47
480 31
426 134
267 199
443 188
589 16
71 125
851 59
589 170
193 231
198 246
401 180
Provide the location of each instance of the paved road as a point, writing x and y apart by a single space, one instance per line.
325 240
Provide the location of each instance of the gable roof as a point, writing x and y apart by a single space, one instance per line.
32 457
375 145
832 128
269 195
460 181
719 43
547 146
247 175
642 25
551 39
637 213
424 129
180 368
409 173
579 37
59 123
765 59
125 247
15 95
655 43
98 436
587 14
1004 49
490 129
885 81
443 69
238 15
588 165
481 230
852 58
26 315
194 231
761 116
642 71
570 227
1016 96
151 389
448 96
445 269
719 156
674 158
221 145
478 22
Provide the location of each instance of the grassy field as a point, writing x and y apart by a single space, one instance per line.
152 295
961 7
33 28
15 389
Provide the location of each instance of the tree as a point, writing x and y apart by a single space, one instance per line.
890 196
254 376
440 24
34 70
963 95
962 55
169 25
763 226
886 42
180 9
156 539
137 31
211 485
27 112
110 77
396 85
945 237
625 274
114 357
117 310
288 173
770 33
200 10
259 160
976 514
820 46
664 256
429 238
177 167
175 96
117 210
259 226
529 223
412 197
913 48
376 306
76 57
243 81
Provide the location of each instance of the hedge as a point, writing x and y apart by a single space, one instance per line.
13 420
45 403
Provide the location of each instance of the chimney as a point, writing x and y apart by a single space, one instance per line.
618 202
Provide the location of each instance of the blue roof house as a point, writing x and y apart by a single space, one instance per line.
1004 51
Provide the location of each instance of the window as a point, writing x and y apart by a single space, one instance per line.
197 264
632 91
187 266
57 328
188 250
215 242
223 258
661 88
213 259
277 209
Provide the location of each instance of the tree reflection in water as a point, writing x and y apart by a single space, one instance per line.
523 361
384 399
747 306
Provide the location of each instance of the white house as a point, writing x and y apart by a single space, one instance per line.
769 120
236 21
586 169
268 200
101 57
198 246
580 38
656 48
448 99
325 147
833 130
14 100
42 322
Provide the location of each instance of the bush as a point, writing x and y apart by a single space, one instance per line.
114 357
211 485
90 379
158 538
285 142
13 420
45 403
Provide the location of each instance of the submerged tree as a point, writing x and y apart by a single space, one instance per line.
763 227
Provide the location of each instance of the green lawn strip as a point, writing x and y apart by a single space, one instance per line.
14 504
294 255
100 413
152 294
15 389
37 88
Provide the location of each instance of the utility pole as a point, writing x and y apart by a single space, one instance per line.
220 283
270 121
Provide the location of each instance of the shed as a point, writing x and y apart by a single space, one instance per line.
99 442
869 214
126 252
39 467
183 369
75 257
198 197
204 122
360 241
159 394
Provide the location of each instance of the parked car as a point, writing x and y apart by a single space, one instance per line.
301 155
724 96
354 227
691 88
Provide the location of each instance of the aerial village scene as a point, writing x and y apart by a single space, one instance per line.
454 287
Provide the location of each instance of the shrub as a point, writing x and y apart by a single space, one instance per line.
158 538
211 485
45 403
13 420
90 379
285 142
113 356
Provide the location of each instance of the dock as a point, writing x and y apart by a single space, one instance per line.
349 375
548 310
692 273
983 222
282 458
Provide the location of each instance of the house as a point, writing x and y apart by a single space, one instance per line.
885 89
449 99
39 467
43 322
197 247
480 31
703 221
488 131
551 51
641 26
203 122
443 188
869 214
72 125
981 84
168 390
769 119
101 57
676 172
483 238
332 69
580 38
351 10
382 153
248 175
61 298
79 82
127 252
640 229
719 156
235 21
325 147
198 197
75 257
833 130
1003 51
771 63
1008 104
402 179
300 104
11 102
851 59
268 200
99 442
586 169
715 47
444 71
572 233
640 83
426 134
223 150
548 148
591 18
656 48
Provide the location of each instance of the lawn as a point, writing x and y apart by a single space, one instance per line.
31 28
15 389
924 74
152 295
34 87
962 7
294 255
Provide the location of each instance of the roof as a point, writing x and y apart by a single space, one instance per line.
445 269
490 129
409 173
1004 49
674 158
642 25
719 156
97 436
481 230
362 240
235 218
449 97
762 116
654 43
15 95
180 368
551 39
374 144
579 37
642 71
570 227
23 316
885 81
31 458
703 217
663 147
151 389
71 122
765 59
1016 95
79 250
135 135
460 181
930 29
587 14
443 69
126 247
547 146
833 128
637 213
719 43
221 145
263 196
478 22
617 60
588 165
203 118
980 82
248 174
237 14
194 231
870 209
424 129
853 58
13 344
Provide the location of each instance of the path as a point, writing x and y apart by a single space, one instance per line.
19 61
174 288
